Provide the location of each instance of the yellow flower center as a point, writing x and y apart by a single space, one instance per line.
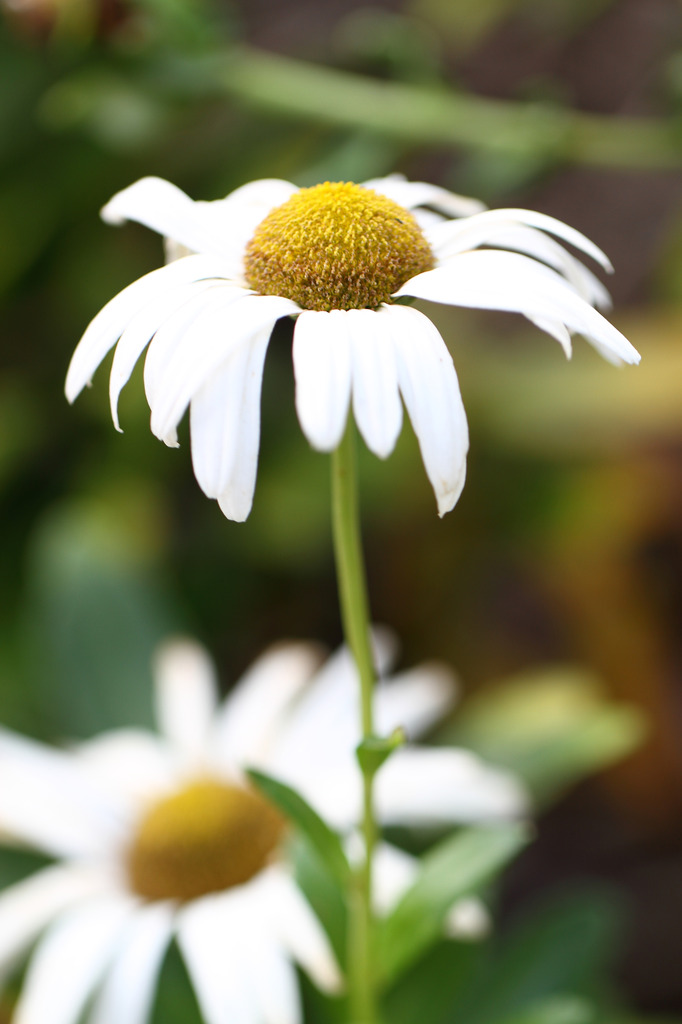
336 246
205 838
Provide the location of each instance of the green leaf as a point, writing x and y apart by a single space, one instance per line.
456 867
374 750
563 946
429 988
557 1009
552 727
323 839
323 892
94 615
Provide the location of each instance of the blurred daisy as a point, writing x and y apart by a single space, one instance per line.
343 259
161 836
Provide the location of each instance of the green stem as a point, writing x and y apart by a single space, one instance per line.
437 116
352 584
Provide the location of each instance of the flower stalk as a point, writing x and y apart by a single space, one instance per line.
354 604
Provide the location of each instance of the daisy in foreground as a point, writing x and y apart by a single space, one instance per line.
343 260
161 836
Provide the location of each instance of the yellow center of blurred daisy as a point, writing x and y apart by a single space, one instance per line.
205 838
336 246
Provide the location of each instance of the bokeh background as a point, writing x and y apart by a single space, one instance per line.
555 587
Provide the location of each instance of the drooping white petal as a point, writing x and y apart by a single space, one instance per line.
490 219
48 801
225 427
70 960
508 281
210 934
322 368
438 786
165 208
139 333
450 240
299 931
202 348
376 400
186 692
127 993
252 716
175 336
430 389
106 328
131 765
556 329
29 906
414 700
420 193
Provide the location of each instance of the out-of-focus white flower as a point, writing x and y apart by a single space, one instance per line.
342 259
156 836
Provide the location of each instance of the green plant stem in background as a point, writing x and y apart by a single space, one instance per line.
419 114
352 584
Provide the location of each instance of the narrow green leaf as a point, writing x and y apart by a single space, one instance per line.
457 866
323 839
557 1009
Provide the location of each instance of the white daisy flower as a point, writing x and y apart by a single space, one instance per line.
161 836
342 259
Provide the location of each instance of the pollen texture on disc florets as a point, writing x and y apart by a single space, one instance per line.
204 838
336 246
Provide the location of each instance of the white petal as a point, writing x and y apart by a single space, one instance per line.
322 731
322 368
206 344
253 713
186 694
165 208
29 906
541 221
48 801
175 334
414 700
507 281
264 194
300 932
452 239
468 919
210 936
276 986
438 786
104 331
430 389
419 193
70 961
128 990
129 764
393 872
376 400
225 427
555 329
140 331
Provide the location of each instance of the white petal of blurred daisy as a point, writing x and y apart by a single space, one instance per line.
161 836
341 259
